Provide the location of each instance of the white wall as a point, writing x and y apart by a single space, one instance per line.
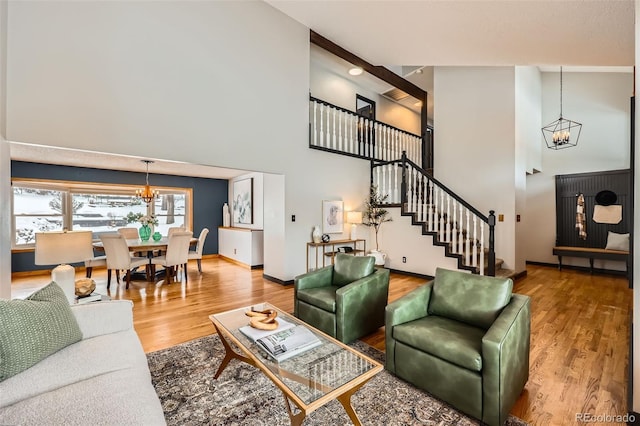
475 143
5 168
529 115
327 84
399 239
215 83
528 153
600 101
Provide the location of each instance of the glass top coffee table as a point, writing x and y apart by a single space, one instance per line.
309 379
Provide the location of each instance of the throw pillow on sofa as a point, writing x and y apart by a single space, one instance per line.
34 328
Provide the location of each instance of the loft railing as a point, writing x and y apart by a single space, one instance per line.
339 130
455 223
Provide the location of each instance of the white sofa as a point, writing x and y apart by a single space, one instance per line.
101 380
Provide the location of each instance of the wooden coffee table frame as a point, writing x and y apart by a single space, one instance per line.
342 394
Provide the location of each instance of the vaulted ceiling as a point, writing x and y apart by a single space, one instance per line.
475 32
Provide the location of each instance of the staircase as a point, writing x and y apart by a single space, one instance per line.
465 234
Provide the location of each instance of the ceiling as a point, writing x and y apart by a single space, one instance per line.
102 160
475 32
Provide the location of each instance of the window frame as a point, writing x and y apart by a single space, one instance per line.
68 188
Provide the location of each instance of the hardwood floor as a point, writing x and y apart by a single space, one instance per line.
579 342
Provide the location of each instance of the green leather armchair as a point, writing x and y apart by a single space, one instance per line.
345 300
465 339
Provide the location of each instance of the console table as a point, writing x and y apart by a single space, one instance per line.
333 248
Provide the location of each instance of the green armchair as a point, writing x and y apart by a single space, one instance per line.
345 300
465 339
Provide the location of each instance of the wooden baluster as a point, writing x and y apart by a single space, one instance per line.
340 116
409 194
397 185
454 232
361 136
474 243
425 198
448 221
370 139
315 122
420 206
382 131
333 133
321 125
442 228
377 181
431 207
416 190
375 150
383 181
461 235
390 169
481 248
467 248
436 210
403 137
385 137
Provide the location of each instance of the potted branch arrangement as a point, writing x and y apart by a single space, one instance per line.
374 216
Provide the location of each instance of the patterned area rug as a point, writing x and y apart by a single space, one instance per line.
243 395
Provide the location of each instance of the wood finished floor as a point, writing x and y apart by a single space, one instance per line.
579 342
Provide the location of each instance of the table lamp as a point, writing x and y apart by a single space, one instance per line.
354 218
62 248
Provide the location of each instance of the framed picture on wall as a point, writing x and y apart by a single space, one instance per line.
243 201
332 217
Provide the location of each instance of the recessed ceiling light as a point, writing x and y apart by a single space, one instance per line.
356 71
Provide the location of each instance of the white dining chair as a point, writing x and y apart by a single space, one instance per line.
128 233
175 229
94 262
176 255
119 258
197 253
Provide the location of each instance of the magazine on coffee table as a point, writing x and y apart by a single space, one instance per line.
284 344
255 334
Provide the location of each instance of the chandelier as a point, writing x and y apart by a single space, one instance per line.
561 133
147 194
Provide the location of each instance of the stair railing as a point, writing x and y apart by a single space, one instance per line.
341 131
455 223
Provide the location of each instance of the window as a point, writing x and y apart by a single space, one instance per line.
100 208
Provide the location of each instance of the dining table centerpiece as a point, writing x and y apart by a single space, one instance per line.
145 231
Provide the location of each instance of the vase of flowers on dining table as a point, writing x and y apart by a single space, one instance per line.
145 231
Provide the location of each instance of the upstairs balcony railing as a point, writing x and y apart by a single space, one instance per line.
341 131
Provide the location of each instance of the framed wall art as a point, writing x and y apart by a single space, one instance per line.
243 201
332 217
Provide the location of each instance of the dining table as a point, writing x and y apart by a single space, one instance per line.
148 247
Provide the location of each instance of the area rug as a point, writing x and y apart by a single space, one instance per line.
243 395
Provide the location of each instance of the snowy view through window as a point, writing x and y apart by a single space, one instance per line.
40 210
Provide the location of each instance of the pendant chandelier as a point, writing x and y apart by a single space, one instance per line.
561 133
147 194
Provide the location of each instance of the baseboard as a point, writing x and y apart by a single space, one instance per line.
237 262
411 274
519 275
579 268
277 280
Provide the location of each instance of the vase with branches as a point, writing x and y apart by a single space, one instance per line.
375 214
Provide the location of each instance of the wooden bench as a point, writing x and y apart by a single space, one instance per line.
591 253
